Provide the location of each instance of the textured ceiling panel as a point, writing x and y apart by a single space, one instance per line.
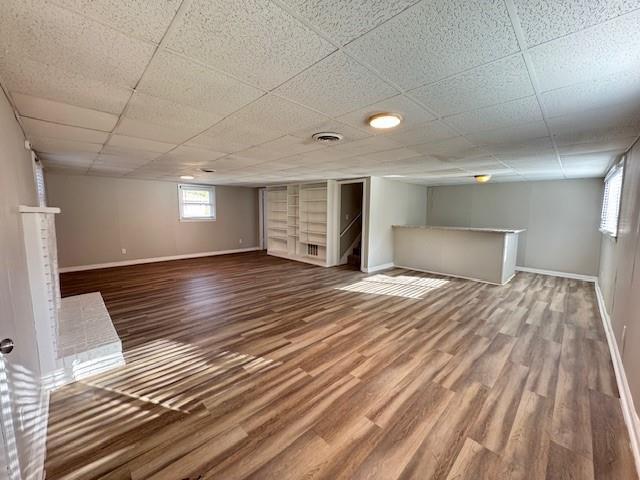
344 21
150 131
334 86
183 81
38 128
544 20
616 89
497 82
254 40
164 112
145 19
524 110
47 81
63 113
516 134
139 144
53 145
599 51
49 34
429 132
432 40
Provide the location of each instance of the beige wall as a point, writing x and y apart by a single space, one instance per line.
102 215
561 218
16 317
391 203
619 276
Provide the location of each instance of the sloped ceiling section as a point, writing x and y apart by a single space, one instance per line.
520 89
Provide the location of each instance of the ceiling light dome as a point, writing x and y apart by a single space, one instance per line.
187 177
484 178
385 120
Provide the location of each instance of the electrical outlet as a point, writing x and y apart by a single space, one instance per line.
240 241
124 251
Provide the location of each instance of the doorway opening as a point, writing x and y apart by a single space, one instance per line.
351 223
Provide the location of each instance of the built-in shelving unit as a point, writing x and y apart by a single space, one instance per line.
301 210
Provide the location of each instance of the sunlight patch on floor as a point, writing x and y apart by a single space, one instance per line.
397 286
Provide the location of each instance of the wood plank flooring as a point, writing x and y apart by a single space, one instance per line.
250 366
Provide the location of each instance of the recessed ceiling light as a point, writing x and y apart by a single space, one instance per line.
385 120
395 176
482 178
207 170
186 177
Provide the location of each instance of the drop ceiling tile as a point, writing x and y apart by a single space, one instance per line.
150 131
185 82
515 112
529 147
599 51
71 159
364 146
164 112
233 162
47 81
618 145
591 164
452 148
506 135
282 147
544 20
621 88
498 82
52 145
39 128
263 45
49 34
395 154
336 85
597 124
134 143
432 40
412 114
185 155
344 21
128 152
119 161
429 132
63 113
146 20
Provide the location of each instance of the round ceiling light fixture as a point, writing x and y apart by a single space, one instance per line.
385 120
187 177
207 170
327 137
484 178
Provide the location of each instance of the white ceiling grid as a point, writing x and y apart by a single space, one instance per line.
521 89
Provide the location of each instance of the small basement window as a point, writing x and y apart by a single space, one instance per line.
611 200
197 202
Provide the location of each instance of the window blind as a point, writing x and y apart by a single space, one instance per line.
611 200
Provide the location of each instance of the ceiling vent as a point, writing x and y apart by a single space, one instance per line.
327 137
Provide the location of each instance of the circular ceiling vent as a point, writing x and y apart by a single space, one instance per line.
327 137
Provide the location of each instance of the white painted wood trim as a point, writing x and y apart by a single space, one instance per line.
626 400
124 263
28 209
298 258
554 273
377 268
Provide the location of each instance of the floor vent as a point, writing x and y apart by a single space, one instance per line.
312 250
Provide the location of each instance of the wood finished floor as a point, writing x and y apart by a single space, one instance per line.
249 366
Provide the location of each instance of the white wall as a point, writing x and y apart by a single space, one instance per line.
17 187
101 215
391 203
561 218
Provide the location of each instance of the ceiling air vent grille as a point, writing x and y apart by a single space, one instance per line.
327 137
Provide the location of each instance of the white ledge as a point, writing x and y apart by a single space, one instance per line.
27 209
465 229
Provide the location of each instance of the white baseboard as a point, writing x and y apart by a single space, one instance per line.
554 273
626 400
377 268
124 263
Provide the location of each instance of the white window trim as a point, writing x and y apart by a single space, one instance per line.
190 186
618 168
